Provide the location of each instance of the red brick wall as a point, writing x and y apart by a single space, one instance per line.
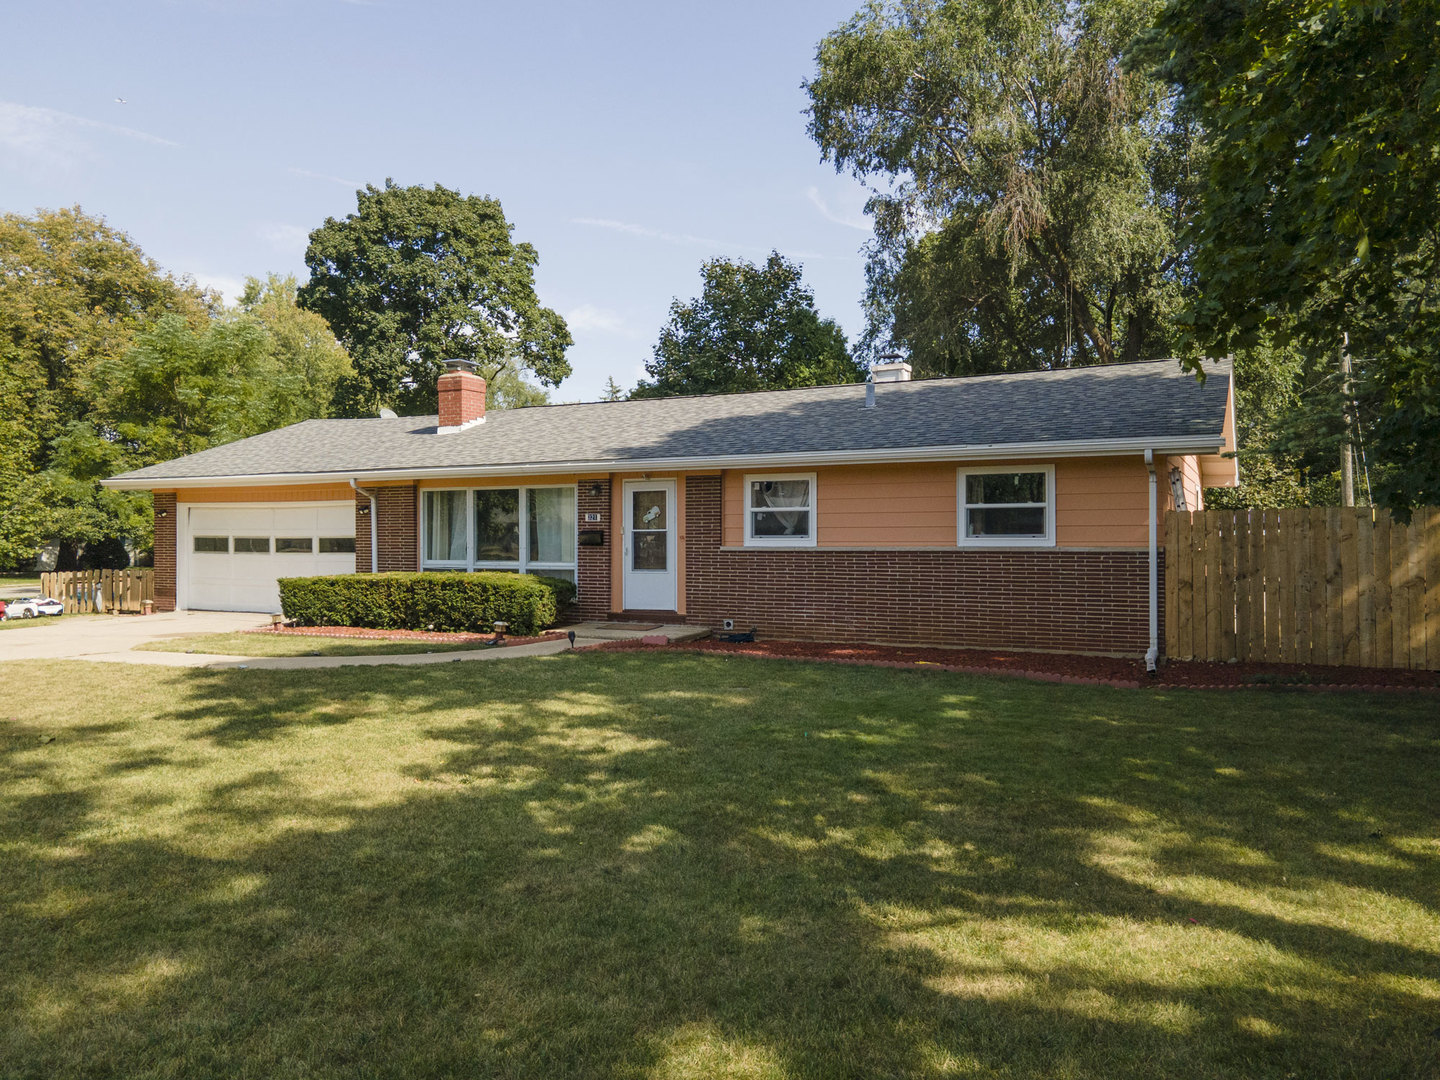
399 529
1092 601
593 569
462 398
165 532
362 534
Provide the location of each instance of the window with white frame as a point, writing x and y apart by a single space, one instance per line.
1002 506
780 510
530 530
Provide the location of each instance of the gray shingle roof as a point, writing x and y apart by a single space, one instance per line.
1151 403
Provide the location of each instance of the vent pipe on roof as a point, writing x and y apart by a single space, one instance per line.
870 392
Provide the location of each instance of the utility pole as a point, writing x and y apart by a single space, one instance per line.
1347 448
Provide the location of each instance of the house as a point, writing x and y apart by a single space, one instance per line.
1013 510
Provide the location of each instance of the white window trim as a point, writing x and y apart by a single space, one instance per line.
752 540
523 564
1048 540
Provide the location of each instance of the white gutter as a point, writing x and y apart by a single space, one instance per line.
984 452
374 530
1152 655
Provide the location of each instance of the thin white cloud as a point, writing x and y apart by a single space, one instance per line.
286 239
839 217
588 318
352 184
41 136
228 286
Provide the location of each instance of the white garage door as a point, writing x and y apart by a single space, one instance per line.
234 555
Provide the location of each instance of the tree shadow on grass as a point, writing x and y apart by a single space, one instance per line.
749 868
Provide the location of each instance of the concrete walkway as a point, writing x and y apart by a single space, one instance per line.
110 639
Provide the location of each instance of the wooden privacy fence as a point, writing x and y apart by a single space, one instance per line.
1308 586
115 590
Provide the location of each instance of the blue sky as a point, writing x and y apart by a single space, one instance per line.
627 141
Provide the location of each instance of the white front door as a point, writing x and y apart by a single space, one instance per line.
232 556
650 548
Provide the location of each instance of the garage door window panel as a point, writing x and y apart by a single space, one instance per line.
252 545
294 545
212 545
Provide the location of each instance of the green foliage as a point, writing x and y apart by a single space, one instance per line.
428 601
302 347
420 275
752 328
613 391
1033 190
1320 202
74 293
107 364
565 591
509 389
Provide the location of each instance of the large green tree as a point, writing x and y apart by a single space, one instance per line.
1319 218
420 275
300 344
753 327
74 293
1028 192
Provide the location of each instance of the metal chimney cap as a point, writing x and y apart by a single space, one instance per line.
460 366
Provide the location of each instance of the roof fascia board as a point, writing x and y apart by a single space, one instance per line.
1076 448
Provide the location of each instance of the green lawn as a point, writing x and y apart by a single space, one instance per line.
20 581
628 865
240 644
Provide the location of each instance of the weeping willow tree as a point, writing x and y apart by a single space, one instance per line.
1028 191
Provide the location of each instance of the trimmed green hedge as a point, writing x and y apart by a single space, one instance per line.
565 591
428 601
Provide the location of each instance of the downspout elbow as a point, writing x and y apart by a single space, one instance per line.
374 529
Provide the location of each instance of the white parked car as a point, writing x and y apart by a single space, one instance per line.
32 606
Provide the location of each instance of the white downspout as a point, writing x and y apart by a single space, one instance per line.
1152 655
374 532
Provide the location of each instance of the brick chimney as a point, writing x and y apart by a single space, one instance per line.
462 397
891 372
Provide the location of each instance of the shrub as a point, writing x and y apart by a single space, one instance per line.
447 601
564 591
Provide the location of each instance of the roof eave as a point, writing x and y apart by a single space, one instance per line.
987 452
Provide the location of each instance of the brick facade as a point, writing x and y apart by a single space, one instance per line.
462 398
593 563
1073 600
399 529
362 533
167 524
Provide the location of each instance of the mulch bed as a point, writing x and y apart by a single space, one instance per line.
434 637
1067 668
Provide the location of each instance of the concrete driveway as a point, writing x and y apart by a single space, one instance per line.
84 637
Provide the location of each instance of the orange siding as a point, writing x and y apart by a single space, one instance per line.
1099 503
277 493
1189 466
